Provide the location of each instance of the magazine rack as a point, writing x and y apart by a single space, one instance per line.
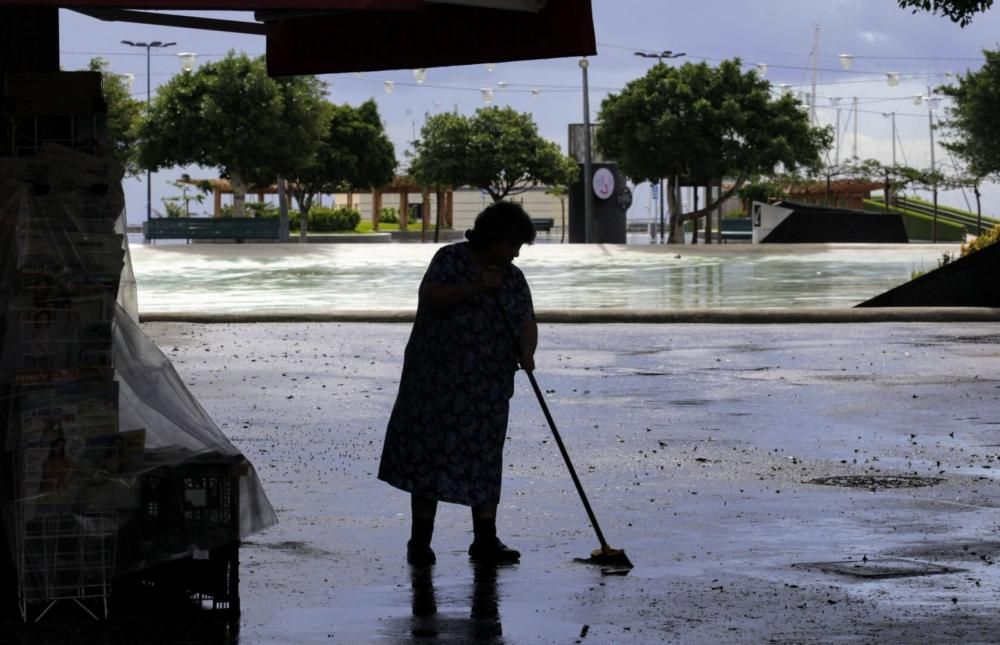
58 209
99 436
66 556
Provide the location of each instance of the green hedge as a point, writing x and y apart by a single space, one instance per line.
388 216
966 218
921 227
332 220
253 209
321 219
951 209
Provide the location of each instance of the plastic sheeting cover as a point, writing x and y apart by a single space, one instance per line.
96 426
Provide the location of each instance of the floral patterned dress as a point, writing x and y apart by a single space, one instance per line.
445 436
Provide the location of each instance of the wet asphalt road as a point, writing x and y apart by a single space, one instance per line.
697 444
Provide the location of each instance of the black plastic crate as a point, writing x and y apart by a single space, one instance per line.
188 523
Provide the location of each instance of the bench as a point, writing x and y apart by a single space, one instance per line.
736 228
543 224
212 228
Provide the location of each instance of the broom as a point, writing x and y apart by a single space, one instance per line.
606 555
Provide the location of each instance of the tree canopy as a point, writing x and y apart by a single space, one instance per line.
497 150
698 123
960 11
973 129
122 118
231 115
354 154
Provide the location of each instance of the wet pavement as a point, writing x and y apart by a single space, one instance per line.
733 463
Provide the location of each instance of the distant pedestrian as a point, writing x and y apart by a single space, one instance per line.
445 437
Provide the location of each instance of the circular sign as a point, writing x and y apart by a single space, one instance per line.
624 198
604 183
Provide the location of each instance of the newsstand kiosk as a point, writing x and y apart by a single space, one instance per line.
110 468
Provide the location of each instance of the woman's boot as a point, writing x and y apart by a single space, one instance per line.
418 549
486 546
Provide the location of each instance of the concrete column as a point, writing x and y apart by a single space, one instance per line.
404 207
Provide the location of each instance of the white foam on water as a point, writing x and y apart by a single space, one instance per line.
319 278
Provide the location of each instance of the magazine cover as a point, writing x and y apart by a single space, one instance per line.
56 439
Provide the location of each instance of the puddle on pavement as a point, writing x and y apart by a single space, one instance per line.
876 481
972 551
690 402
297 547
984 339
879 568
430 608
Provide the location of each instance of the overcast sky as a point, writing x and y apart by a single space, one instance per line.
922 48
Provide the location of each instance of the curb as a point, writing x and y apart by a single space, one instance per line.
608 316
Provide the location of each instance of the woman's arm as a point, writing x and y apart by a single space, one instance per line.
529 342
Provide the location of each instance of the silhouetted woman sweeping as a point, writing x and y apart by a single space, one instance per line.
445 437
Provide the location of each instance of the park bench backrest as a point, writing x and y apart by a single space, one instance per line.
213 228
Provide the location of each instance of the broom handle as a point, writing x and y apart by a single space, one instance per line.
555 433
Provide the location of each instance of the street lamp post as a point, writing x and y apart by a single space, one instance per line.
660 56
835 102
588 195
932 104
149 174
892 116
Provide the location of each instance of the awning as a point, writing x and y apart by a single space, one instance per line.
437 35
331 36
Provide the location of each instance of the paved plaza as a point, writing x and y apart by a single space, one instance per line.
711 453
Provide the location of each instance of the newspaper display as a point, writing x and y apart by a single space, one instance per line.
108 463
59 287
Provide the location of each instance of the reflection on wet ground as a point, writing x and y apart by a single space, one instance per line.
437 604
324 278
479 623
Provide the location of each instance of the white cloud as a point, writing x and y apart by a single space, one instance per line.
873 37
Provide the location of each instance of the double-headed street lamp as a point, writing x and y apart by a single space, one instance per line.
149 174
666 53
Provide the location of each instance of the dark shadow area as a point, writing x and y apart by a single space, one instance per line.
136 618
187 601
820 225
965 282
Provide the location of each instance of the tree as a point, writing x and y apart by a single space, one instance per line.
122 117
697 123
760 190
354 154
972 130
962 178
230 115
173 204
960 11
497 150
